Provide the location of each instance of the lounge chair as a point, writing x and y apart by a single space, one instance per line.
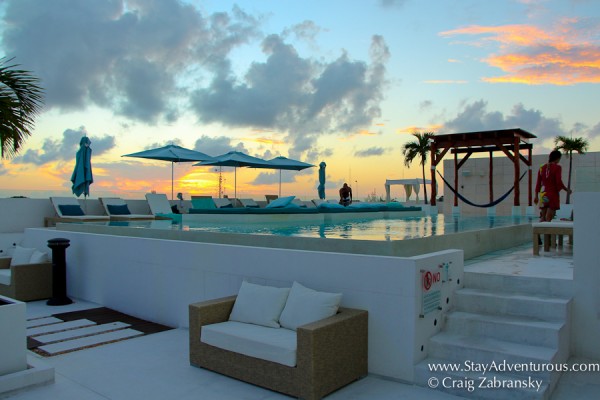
203 203
117 210
271 197
68 209
223 202
317 202
301 203
160 206
248 203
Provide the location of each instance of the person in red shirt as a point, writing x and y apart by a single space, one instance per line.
548 186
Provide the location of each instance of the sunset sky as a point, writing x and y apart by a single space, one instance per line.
344 82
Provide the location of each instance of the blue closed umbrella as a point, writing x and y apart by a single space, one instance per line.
82 176
321 188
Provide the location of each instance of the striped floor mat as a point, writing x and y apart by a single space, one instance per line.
78 330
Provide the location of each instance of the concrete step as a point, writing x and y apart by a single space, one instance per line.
536 306
476 349
467 383
517 329
523 284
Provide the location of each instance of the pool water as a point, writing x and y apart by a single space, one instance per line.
367 229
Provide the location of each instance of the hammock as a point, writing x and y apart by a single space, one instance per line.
465 200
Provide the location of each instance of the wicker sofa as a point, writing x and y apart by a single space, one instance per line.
27 281
331 352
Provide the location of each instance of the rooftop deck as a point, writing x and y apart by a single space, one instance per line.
156 366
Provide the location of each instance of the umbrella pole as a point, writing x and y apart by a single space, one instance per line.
235 183
279 183
172 178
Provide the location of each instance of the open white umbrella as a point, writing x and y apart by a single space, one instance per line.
235 159
282 163
172 153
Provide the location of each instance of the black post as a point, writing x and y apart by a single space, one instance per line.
59 272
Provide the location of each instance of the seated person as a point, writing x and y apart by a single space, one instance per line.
177 208
346 195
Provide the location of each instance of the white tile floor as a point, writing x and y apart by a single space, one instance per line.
156 366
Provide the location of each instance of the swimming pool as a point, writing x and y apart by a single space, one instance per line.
363 228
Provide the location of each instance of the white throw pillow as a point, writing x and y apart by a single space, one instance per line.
21 255
39 257
306 305
259 305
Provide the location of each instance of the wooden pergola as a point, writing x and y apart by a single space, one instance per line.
509 141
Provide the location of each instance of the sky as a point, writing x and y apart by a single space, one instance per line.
345 82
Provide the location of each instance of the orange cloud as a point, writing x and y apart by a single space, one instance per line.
362 132
264 140
413 128
534 56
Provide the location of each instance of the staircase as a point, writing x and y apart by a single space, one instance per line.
512 325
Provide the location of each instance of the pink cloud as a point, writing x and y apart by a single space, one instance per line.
563 55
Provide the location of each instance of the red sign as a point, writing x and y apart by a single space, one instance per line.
429 279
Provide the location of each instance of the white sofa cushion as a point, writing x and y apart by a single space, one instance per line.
271 344
39 257
260 305
5 276
21 255
306 305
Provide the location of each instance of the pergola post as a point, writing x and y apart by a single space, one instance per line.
509 141
434 162
517 160
491 177
455 179
530 179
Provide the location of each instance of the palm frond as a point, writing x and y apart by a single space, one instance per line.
21 100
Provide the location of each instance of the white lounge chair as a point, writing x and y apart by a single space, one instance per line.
203 203
117 209
159 203
223 202
248 203
68 209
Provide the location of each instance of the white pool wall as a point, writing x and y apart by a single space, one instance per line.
157 279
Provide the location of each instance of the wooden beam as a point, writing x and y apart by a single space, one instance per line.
460 164
484 149
505 151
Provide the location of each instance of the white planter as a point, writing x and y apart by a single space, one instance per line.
13 336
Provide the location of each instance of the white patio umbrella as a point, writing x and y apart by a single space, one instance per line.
282 163
172 153
235 159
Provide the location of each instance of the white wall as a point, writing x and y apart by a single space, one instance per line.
157 279
586 276
473 179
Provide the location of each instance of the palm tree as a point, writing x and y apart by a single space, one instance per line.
419 148
21 99
568 146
